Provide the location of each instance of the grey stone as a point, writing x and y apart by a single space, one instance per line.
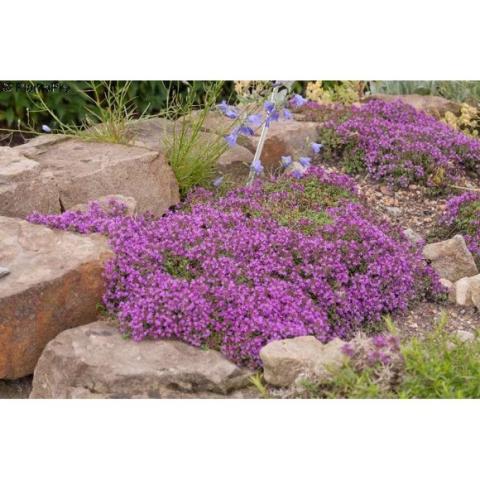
4 272
464 335
451 258
394 211
414 237
95 361
56 282
475 290
285 361
54 174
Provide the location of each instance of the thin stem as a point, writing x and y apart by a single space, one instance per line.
261 142
465 188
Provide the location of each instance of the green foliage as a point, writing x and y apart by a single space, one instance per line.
107 112
441 365
302 208
257 381
178 266
346 92
459 91
468 215
191 153
67 100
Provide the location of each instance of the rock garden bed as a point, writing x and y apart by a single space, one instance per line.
289 275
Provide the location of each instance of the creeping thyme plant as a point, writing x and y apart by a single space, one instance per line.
272 260
462 215
396 143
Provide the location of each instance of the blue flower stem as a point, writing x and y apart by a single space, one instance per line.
263 137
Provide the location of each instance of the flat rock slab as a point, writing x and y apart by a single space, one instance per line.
52 174
95 361
451 258
55 282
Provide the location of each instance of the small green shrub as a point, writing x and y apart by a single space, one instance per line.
66 100
441 365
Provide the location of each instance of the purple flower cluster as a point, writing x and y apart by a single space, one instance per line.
249 122
395 142
236 272
462 215
378 350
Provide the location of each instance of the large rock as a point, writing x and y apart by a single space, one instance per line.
55 283
475 290
431 104
95 361
451 258
151 133
461 292
54 174
216 122
284 361
23 186
235 163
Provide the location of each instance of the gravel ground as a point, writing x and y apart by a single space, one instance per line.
415 208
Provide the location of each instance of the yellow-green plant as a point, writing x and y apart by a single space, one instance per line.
468 121
257 381
346 92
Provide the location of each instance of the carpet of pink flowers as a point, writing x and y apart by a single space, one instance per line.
232 273
396 143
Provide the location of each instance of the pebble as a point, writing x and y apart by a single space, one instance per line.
4 272
394 211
